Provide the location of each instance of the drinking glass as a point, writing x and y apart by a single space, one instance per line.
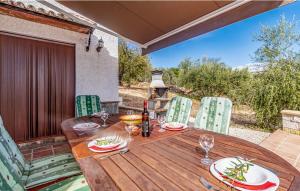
104 117
161 120
128 128
206 142
130 112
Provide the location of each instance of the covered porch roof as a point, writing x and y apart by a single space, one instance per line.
158 24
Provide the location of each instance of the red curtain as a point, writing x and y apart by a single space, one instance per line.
37 86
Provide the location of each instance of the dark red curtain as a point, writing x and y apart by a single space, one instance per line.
37 86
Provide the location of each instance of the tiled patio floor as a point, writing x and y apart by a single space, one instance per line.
44 147
285 145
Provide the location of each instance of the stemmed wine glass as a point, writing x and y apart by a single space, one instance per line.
161 120
129 112
128 128
104 117
206 142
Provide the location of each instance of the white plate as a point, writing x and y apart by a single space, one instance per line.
90 126
174 126
117 141
92 144
255 176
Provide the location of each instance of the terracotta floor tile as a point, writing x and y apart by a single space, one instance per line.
27 157
26 151
41 154
285 145
42 148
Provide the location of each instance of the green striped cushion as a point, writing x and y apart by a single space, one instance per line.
10 150
9 179
87 105
76 183
179 110
50 168
214 114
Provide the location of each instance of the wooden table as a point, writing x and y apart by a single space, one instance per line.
167 161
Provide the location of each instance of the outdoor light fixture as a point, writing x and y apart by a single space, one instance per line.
100 45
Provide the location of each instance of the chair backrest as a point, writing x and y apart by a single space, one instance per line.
12 162
87 105
9 179
214 114
10 150
179 110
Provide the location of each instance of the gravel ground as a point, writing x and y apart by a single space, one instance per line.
249 134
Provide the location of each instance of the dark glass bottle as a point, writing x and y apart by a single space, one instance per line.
145 121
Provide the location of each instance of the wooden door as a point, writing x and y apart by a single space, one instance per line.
37 86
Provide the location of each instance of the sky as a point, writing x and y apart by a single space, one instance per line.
233 44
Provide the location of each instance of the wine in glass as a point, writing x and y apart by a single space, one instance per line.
206 142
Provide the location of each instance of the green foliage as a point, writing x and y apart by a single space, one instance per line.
132 66
210 77
278 87
170 76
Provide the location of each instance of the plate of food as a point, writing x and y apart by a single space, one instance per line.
107 144
174 126
244 175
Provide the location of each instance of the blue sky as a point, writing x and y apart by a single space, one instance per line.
233 44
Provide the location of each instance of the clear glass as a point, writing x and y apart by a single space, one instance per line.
129 128
130 112
161 120
104 117
206 142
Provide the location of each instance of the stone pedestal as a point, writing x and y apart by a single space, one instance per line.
291 121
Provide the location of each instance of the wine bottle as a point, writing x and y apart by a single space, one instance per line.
145 121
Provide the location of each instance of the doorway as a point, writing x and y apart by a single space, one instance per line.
37 86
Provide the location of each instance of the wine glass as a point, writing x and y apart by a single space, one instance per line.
206 142
129 112
128 128
104 117
161 120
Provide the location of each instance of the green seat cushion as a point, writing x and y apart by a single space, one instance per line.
35 172
10 180
87 105
214 114
50 168
179 110
76 183
10 150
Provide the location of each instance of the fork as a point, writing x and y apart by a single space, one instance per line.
122 151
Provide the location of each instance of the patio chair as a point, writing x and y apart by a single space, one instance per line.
87 105
35 172
179 110
11 181
214 114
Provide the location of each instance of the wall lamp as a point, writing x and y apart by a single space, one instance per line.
100 45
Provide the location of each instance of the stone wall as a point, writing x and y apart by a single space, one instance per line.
291 121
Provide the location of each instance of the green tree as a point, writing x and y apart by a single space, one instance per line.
211 77
278 86
132 66
170 75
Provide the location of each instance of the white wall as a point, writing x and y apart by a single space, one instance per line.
96 73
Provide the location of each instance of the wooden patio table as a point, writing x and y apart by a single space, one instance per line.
166 161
